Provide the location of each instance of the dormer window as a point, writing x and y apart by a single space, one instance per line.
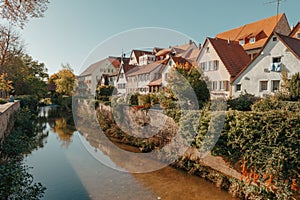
298 35
252 40
242 42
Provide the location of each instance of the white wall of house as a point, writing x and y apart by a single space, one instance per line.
140 82
257 79
121 82
217 76
133 59
165 72
146 59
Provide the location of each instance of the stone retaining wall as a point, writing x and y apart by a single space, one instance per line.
6 117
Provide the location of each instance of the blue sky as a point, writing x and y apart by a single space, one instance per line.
72 30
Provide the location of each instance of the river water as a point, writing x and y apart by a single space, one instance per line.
66 168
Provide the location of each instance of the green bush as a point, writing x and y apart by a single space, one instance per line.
272 103
144 99
3 101
104 92
28 101
243 102
295 87
267 144
134 100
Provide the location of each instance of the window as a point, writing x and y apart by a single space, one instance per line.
275 85
274 38
263 85
211 65
276 59
238 88
252 40
221 83
214 85
122 75
207 49
203 66
298 35
242 42
216 65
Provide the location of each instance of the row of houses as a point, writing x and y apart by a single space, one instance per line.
248 58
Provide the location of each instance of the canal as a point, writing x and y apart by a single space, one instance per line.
68 171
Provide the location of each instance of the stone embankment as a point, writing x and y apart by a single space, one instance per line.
7 112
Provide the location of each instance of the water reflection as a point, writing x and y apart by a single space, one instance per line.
72 173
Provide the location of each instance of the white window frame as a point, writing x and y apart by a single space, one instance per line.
260 85
252 40
242 42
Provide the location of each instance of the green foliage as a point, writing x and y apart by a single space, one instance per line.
144 99
3 101
28 76
29 101
186 81
5 85
273 103
243 102
134 100
295 87
104 92
64 81
267 143
15 181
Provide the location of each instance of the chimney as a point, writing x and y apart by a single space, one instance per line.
199 46
191 42
228 41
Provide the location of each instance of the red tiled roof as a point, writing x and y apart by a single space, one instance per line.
232 55
266 25
293 44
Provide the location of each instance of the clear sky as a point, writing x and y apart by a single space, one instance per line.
72 29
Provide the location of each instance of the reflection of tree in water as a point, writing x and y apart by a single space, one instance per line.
62 124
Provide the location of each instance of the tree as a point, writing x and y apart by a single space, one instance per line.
188 81
19 11
10 46
295 87
5 85
28 76
64 81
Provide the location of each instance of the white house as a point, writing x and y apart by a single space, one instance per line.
262 76
136 54
90 77
139 78
221 60
121 82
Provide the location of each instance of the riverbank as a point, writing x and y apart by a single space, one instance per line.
240 180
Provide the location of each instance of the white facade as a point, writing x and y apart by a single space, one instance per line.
214 69
147 59
121 82
138 82
263 75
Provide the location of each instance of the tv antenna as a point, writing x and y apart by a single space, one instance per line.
278 2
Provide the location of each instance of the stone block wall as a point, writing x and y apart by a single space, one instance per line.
7 117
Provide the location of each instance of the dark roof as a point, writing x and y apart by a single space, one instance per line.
293 44
232 55
139 53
